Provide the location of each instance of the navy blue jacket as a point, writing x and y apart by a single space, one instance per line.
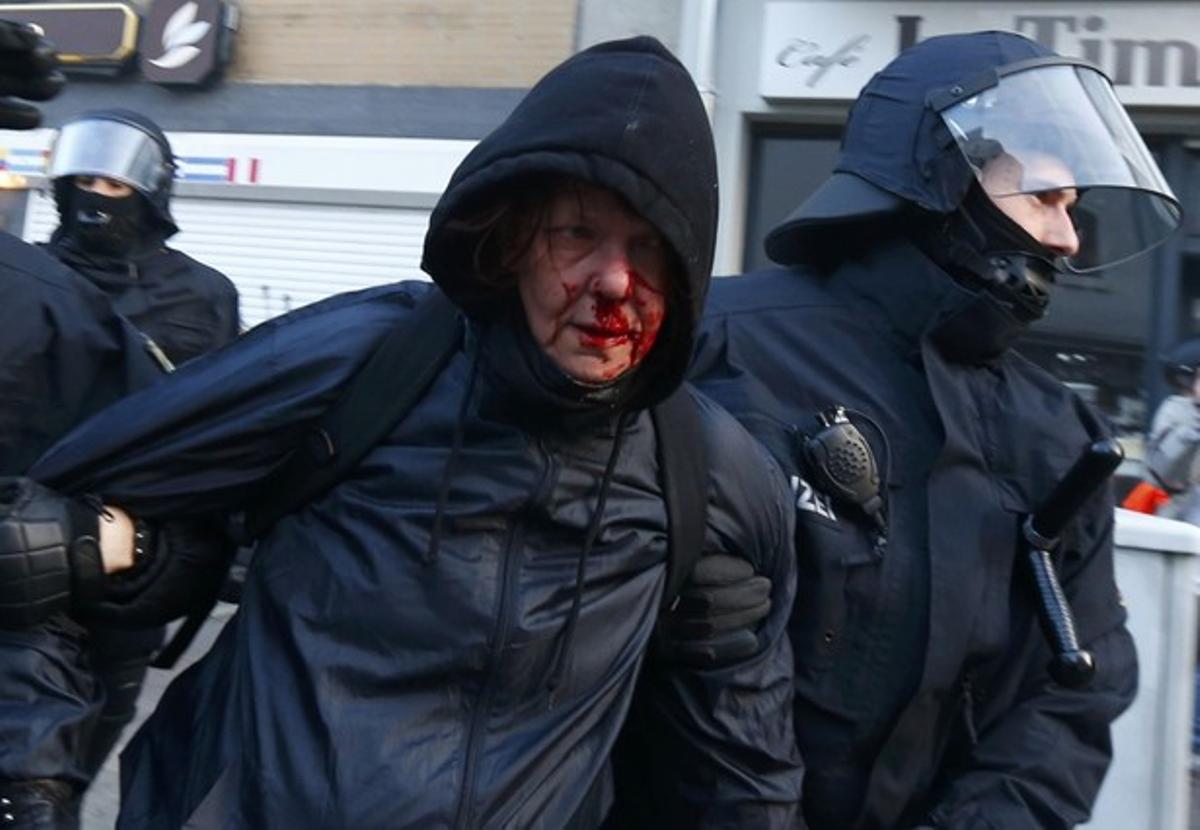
921 685
360 685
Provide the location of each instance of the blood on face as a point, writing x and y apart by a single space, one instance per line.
590 306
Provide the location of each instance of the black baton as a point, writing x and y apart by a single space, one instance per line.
1072 666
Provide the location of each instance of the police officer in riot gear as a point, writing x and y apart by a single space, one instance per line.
974 169
113 173
64 355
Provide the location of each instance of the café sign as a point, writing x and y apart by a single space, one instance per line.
829 50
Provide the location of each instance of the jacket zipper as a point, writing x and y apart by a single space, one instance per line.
968 711
512 548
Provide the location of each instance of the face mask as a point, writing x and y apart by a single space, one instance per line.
997 255
975 327
104 225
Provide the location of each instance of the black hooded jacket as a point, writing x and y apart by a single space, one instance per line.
373 678
185 307
922 693
64 355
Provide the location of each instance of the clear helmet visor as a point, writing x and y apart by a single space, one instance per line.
113 150
1054 149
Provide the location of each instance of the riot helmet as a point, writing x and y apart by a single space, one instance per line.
120 145
1050 124
960 127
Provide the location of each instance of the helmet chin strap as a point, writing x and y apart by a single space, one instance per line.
985 249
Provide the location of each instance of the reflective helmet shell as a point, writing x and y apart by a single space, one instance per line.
154 181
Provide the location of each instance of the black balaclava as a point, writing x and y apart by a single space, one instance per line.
105 230
102 225
1004 273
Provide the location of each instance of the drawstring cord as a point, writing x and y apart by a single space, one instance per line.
435 536
559 666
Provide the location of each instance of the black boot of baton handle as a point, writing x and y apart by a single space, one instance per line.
1071 666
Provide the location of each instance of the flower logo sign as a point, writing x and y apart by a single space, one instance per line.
184 41
180 36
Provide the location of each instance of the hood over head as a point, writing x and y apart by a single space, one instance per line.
624 115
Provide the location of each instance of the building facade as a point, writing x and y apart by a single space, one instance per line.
310 161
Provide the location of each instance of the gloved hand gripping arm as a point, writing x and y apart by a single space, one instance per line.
59 553
50 558
717 617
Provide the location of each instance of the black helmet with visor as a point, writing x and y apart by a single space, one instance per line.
1054 124
924 129
120 145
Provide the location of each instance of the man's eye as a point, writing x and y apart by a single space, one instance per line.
572 232
1056 198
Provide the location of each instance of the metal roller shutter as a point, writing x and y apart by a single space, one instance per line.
284 255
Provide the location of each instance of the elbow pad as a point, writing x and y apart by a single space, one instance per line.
49 553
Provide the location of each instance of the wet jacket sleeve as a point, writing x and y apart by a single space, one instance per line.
201 440
720 741
1171 449
1040 762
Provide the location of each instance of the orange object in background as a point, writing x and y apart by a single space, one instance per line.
1146 498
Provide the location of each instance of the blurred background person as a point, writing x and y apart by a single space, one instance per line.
1171 447
1172 469
113 172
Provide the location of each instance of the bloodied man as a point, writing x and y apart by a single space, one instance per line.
451 634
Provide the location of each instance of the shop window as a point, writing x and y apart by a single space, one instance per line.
785 168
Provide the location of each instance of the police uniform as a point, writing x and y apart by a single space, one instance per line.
922 689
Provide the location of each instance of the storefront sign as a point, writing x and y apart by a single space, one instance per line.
831 49
95 35
182 41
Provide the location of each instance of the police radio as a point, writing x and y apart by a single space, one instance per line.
843 465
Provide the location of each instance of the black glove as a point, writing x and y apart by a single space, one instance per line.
49 553
715 618
181 572
28 69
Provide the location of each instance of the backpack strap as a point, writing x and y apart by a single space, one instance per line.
683 469
683 474
378 397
